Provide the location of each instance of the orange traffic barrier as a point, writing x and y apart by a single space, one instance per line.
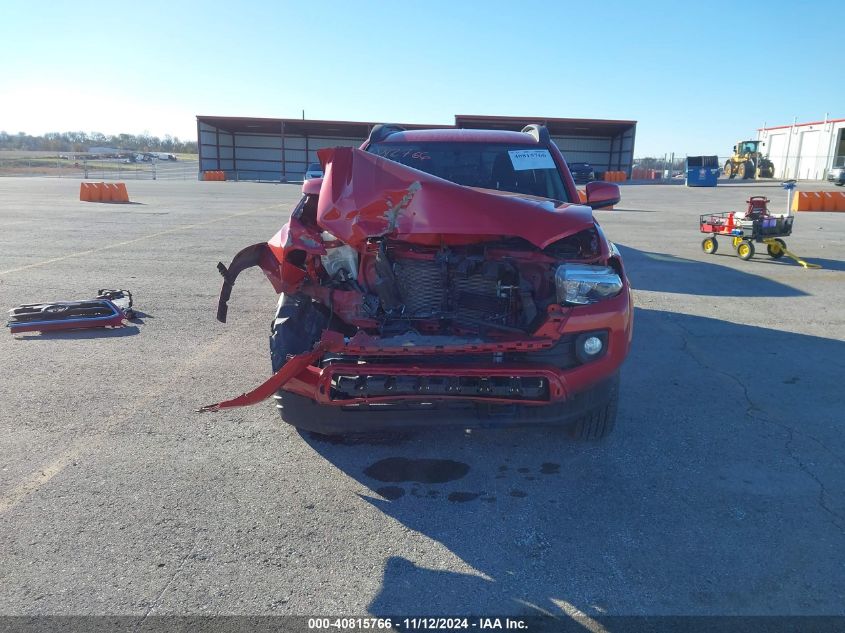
828 202
106 192
819 201
122 195
214 175
103 192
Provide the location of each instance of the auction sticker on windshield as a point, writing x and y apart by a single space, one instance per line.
523 159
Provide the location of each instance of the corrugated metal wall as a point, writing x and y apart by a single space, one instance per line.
602 152
285 157
274 157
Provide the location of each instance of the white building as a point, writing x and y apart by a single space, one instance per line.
805 151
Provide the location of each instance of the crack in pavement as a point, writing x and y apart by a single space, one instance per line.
113 424
164 589
837 519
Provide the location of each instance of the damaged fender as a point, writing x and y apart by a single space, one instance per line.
255 255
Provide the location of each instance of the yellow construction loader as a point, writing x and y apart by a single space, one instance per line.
748 162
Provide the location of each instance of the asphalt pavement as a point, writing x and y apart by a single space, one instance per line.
722 490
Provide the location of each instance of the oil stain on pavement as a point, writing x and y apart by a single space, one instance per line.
438 471
424 471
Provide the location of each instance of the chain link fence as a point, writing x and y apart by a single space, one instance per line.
59 166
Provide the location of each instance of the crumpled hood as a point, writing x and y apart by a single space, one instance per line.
364 196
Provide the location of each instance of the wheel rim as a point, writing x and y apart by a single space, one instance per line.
743 250
708 245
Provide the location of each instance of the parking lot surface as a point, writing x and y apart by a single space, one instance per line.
722 490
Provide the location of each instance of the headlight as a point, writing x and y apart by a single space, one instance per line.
580 284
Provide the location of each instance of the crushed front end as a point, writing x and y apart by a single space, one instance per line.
402 291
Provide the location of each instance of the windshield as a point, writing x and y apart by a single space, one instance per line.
749 147
515 168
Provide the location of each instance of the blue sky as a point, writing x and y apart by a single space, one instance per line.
697 74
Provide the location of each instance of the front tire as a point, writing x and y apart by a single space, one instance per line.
729 170
598 422
297 326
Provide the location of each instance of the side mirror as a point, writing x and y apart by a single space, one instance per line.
602 194
312 187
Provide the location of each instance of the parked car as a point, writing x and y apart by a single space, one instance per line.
450 277
315 170
837 175
582 172
163 155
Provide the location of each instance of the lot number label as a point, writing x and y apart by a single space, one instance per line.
523 159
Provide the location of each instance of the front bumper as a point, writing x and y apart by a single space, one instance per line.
304 413
437 370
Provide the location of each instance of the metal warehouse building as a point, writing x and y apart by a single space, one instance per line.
805 151
281 149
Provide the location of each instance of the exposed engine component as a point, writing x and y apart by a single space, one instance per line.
458 289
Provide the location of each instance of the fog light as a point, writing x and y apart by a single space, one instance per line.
592 345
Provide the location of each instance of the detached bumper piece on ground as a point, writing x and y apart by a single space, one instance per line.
110 308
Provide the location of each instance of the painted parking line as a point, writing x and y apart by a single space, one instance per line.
77 448
185 227
37 479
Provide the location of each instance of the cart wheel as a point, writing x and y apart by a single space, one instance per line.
776 248
709 245
745 250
